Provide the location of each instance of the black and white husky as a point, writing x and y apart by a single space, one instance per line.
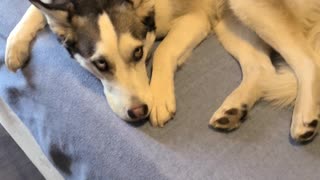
112 39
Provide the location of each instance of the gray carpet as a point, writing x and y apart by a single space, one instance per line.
14 164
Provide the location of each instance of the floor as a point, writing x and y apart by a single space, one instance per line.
14 164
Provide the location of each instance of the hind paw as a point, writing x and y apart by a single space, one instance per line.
228 119
305 132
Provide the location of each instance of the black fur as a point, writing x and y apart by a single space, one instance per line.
60 159
123 19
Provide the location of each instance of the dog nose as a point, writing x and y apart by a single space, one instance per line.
138 112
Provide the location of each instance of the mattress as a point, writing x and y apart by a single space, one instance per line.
64 109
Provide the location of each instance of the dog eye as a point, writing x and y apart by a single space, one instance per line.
137 54
102 65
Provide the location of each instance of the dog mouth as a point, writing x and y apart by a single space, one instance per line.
138 123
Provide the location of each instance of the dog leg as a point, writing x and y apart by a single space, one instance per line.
186 33
280 30
253 56
19 40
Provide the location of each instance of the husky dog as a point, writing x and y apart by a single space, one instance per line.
112 39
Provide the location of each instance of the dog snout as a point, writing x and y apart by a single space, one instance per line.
138 112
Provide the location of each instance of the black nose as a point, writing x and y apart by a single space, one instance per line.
138 112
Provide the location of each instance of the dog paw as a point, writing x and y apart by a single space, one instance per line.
164 104
305 119
228 118
17 53
305 131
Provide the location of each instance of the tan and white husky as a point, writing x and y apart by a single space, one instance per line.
112 39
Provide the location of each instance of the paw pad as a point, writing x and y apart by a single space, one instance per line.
223 121
244 112
232 112
313 124
231 118
307 135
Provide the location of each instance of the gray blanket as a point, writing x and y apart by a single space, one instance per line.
65 109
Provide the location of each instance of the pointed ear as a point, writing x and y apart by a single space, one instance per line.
134 3
63 5
142 7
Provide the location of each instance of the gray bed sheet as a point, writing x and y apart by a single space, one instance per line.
65 109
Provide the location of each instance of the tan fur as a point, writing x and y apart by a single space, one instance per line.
19 40
286 25
281 89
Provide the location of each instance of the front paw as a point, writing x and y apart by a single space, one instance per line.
17 53
164 103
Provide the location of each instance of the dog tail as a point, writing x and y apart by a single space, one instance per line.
280 89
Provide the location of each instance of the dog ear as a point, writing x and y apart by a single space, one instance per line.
142 7
63 5
135 3
138 4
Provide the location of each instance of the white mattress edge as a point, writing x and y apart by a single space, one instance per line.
23 137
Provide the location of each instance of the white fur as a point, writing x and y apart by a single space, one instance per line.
46 1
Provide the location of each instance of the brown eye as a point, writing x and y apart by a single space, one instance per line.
102 65
137 54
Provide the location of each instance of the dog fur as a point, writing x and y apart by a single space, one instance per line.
248 30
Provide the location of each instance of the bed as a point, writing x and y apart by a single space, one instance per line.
57 113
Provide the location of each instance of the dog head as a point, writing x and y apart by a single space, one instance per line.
112 40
